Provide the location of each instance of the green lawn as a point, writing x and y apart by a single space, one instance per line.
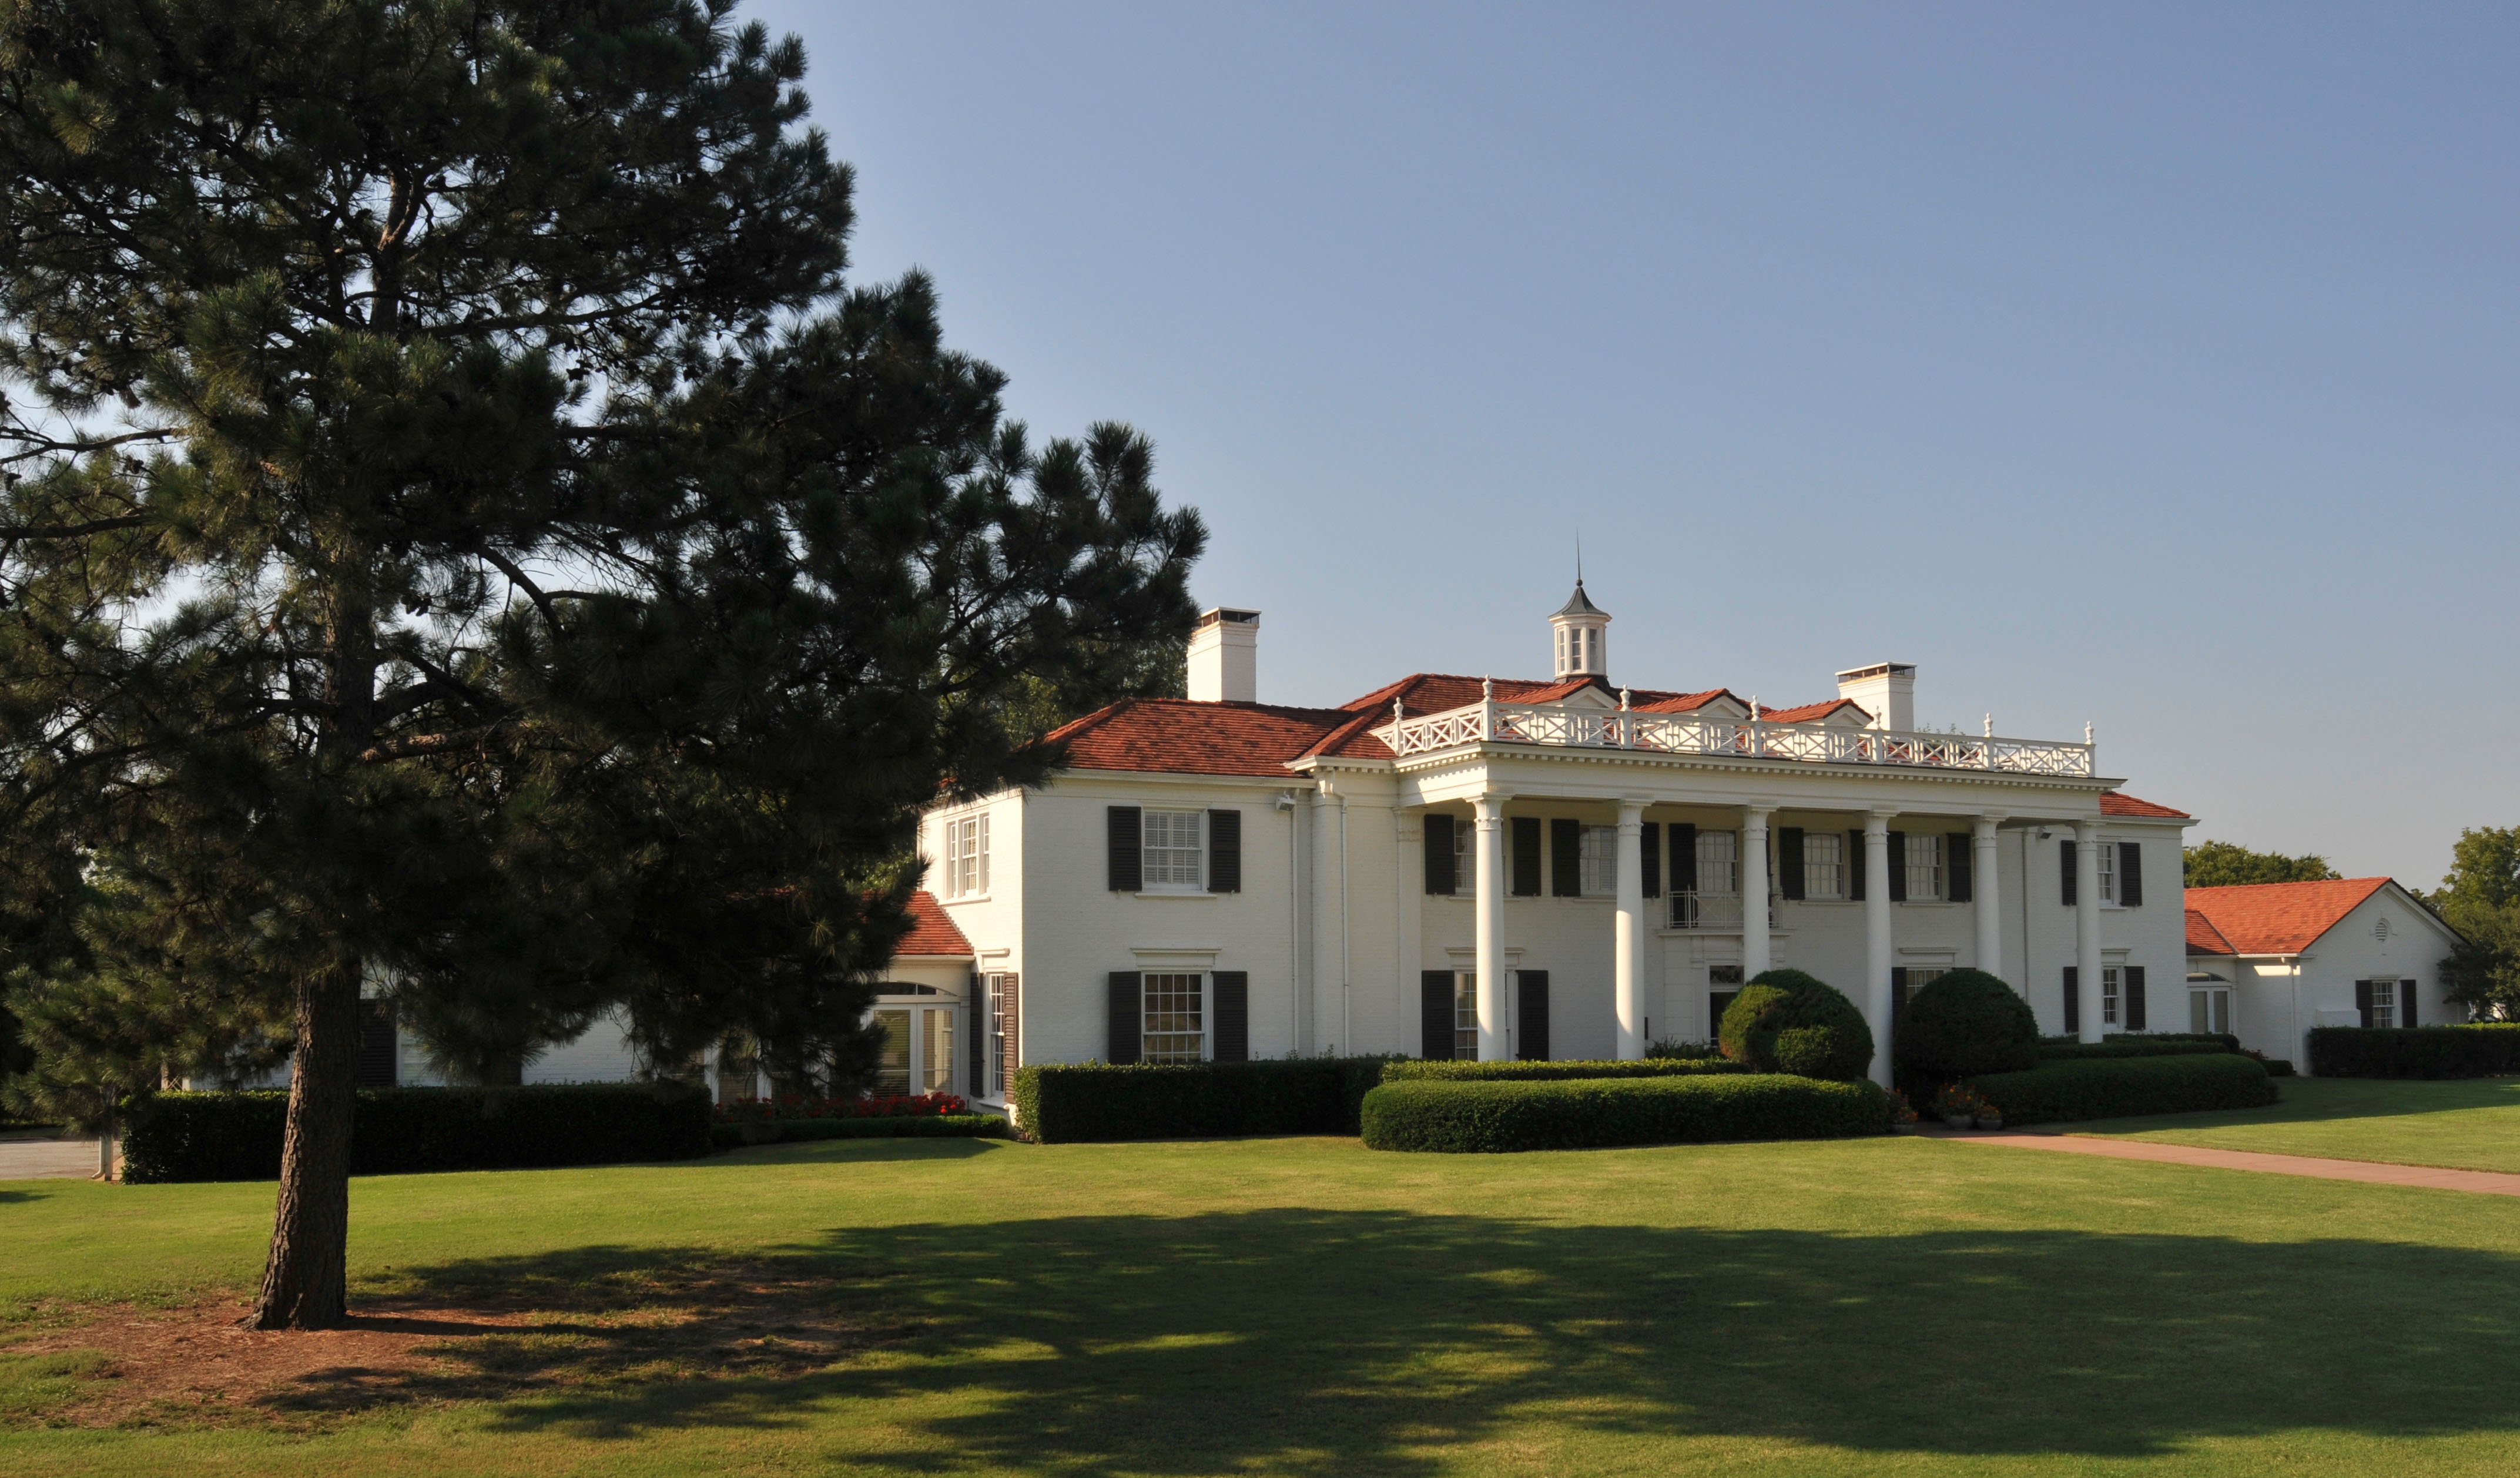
1306 1306
2468 1125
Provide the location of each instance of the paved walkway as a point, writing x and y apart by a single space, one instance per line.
2371 1173
46 1159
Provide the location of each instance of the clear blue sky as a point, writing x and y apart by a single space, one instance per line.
2152 366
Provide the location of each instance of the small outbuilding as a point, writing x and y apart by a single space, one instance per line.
2267 961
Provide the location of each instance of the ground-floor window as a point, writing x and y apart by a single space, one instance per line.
2384 1002
1722 983
2109 983
916 1056
1174 1026
1466 1015
2208 1009
738 1069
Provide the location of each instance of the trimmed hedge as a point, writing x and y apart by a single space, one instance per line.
734 1134
1590 1114
1965 1022
1411 1070
395 1131
1785 1021
2119 1048
1098 1101
2475 1050
2115 1087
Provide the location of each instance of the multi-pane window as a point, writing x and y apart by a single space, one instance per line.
1823 864
1599 855
1466 1015
2209 1010
892 1058
2384 1002
966 855
937 1052
1924 863
2109 980
2107 852
1170 845
1719 864
1174 1026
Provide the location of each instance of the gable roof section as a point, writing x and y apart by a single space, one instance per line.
1178 737
2119 803
2205 939
930 932
1810 714
2276 917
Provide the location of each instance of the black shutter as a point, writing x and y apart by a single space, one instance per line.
1526 857
374 1065
1790 861
2130 874
2073 1001
1531 1014
2132 976
1010 1033
1125 1040
2405 1003
1649 853
1225 851
1565 858
2065 869
1435 1015
1855 867
1230 998
1959 886
2362 999
1441 877
1127 876
1898 997
1684 857
1898 867
979 1029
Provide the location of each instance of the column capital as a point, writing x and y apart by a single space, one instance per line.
1489 808
1755 814
1632 812
2085 832
1986 823
1876 822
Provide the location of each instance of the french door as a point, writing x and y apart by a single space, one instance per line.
917 1049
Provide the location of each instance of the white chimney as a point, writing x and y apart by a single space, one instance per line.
1225 657
1885 690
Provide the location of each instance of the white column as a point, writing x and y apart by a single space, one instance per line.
1627 947
1491 924
1877 863
1324 972
2086 926
1754 891
1989 914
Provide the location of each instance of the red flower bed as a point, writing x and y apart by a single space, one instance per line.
870 1106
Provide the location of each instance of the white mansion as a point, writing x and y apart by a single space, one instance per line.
1464 866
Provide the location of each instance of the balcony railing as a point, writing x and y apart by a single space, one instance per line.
1681 733
1692 909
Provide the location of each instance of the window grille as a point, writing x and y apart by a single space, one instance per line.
1601 861
966 857
2109 977
1924 863
2107 852
1171 850
1466 1015
2384 1002
1823 866
1174 1026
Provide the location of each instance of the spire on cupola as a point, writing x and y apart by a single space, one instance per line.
1582 632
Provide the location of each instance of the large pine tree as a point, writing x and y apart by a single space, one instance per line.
462 539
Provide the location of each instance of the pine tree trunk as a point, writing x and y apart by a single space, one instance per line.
304 1281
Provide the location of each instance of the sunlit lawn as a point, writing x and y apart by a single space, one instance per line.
2469 1124
1307 1306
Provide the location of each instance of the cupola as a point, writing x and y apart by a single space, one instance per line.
1582 631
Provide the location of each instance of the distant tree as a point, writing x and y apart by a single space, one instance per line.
2480 897
2221 864
462 540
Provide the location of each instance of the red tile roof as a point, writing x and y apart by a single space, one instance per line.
2119 803
1810 712
1182 738
2275 918
2205 939
930 932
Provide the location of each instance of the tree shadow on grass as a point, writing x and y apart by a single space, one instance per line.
1313 1341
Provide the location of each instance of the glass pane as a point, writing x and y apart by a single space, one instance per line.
937 1052
2200 1011
1173 1028
2221 1011
892 1068
1466 1015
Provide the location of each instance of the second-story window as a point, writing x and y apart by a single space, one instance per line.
1172 850
1823 866
1719 864
1924 863
966 857
1601 861
2107 853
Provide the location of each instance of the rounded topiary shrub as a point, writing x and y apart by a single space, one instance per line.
1966 1022
1785 1021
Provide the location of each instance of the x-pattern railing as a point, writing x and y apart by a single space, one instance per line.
1681 734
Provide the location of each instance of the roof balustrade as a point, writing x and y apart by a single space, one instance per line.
1552 726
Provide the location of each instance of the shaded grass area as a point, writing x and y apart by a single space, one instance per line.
1306 1306
2473 1124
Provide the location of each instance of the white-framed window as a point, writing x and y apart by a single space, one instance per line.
1173 850
2384 1002
1924 865
1466 1015
1719 864
2109 982
1465 858
1173 1026
2208 1009
1600 857
2107 852
966 855
917 1052
1823 866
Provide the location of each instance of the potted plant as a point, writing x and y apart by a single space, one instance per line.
1955 1106
1988 1116
1902 1117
